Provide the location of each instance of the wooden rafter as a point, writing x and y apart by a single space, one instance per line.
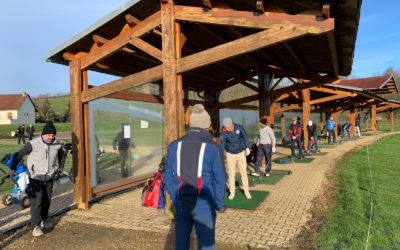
237 102
121 40
296 57
240 46
332 47
330 91
331 98
236 80
247 19
250 86
132 21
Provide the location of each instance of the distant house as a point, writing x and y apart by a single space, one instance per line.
17 109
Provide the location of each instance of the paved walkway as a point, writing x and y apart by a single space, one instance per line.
277 221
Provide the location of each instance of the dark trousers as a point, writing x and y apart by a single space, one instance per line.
21 137
40 194
299 144
30 137
205 230
264 150
331 133
123 154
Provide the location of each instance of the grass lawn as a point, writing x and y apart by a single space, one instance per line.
5 130
345 224
59 103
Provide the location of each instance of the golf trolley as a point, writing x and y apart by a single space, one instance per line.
18 194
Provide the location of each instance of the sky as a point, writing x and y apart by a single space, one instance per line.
29 29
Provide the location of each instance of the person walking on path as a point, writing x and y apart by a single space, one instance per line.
295 137
265 147
358 130
46 158
21 134
330 127
312 137
235 143
123 143
194 179
31 131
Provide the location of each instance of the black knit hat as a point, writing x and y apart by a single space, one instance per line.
49 128
264 121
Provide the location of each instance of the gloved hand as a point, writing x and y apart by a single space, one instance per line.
247 151
273 150
11 173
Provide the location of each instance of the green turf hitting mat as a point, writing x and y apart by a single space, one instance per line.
288 160
253 180
240 201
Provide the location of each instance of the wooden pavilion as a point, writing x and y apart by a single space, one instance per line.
204 46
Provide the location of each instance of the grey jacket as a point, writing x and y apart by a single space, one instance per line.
267 136
44 160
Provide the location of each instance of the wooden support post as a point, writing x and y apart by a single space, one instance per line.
321 122
335 119
173 113
264 87
78 135
391 120
306 113
373 119
283 129
211 105
353 122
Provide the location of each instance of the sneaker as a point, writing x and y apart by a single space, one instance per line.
37 231
231 196
266 174
46 224
248 195
255 174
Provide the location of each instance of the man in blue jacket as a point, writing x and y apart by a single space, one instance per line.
330 127
234 141
194 178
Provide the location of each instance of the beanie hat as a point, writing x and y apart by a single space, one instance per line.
49 128
309 123
199 118
227 121
264 121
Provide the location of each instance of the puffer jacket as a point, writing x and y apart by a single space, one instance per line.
234 141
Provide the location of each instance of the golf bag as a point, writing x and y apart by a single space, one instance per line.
153 192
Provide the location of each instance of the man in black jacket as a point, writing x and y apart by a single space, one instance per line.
31 131
312 137
21 134
124 143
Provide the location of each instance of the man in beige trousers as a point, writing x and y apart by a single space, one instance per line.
236 145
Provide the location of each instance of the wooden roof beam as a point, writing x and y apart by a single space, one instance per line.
247 19
236 102
121 40
334 56
250 86
236 80
132 21
241 46
295 56
331 98
330 91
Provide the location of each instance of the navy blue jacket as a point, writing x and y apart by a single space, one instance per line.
234 141
194 175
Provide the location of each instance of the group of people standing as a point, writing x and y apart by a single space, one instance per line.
21 130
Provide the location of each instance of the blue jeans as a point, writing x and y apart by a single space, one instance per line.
263 150
205 230
299 144
316 143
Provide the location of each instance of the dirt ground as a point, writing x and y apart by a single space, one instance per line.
68 235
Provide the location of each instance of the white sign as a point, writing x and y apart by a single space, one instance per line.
144 124
127 131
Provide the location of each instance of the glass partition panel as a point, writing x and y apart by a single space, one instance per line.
126 139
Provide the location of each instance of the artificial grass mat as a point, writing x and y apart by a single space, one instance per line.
288 160
240 201
272 179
